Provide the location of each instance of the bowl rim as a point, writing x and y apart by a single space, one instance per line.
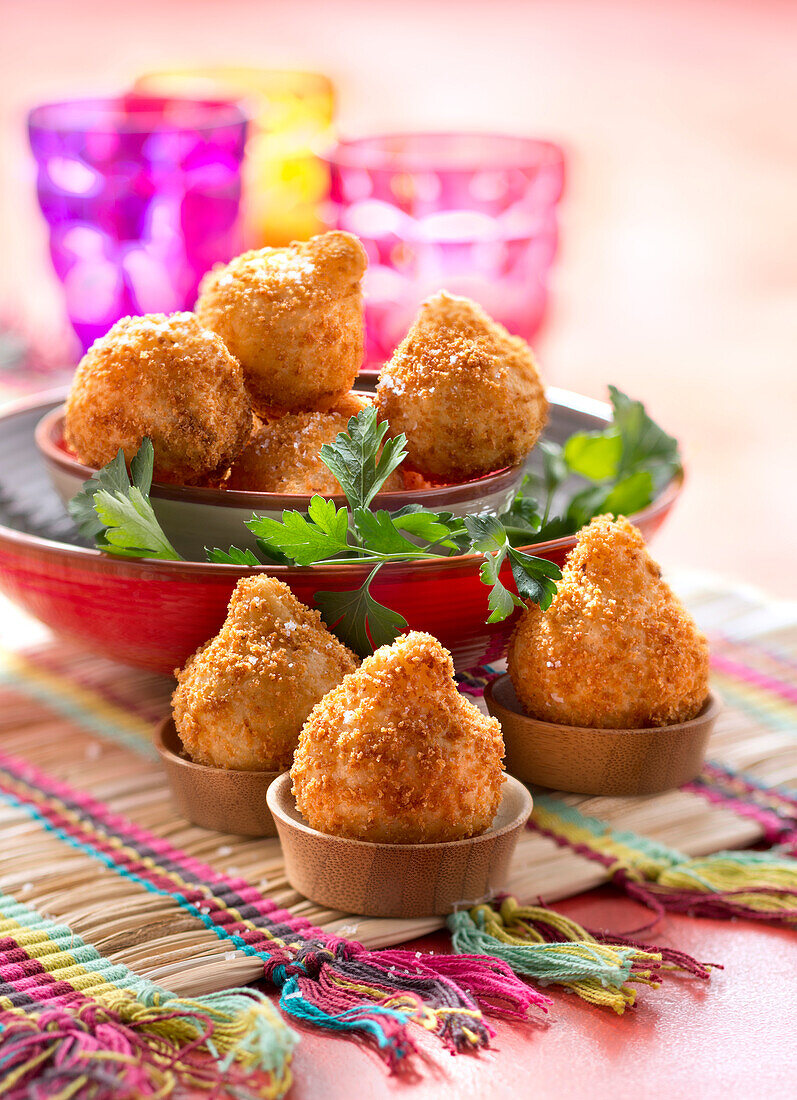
169 756
575 402
708 713
48 427
276 791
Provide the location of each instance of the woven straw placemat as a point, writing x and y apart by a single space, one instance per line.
87 722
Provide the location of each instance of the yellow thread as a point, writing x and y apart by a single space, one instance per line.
628 858
69 1090
20 1071
515 925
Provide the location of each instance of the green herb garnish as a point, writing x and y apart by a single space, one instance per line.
358 619
329 534
618 470
356 460
117 514
534 577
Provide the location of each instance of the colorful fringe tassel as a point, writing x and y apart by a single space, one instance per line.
329 982
759 886
550 948
73 1023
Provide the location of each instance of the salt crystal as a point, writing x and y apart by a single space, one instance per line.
224 850
229 956
290 625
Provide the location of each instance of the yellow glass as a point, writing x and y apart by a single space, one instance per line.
285 182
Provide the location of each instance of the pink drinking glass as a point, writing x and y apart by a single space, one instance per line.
142 196
474 214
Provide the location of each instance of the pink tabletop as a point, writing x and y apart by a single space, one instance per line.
704 1039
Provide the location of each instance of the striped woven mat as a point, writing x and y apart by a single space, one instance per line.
111 899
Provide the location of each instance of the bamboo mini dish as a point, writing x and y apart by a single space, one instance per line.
223 799
599 761
397 880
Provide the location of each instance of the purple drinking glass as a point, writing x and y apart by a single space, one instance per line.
474 214
142 195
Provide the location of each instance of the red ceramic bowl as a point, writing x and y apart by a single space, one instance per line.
155 614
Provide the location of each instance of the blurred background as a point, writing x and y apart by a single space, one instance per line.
670 263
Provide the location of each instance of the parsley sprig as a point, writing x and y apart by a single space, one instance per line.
618 469
534 577
117 513
362 462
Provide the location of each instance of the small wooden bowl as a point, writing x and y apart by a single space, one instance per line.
397 880
216 798
599 761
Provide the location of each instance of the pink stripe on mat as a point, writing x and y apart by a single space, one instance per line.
750 675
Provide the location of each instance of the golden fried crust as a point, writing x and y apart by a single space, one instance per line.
240 701
282 455
396 754
293 316
466 394
170 379
616 649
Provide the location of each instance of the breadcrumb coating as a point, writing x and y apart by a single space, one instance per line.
616 649
294 318
170 379
465 392
282 455
240 701
395 754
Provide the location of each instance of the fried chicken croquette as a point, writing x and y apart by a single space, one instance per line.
170 379
395 754
294 318
240 701
616 649
282 455
466 393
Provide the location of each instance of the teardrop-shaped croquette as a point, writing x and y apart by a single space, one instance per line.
169 379
395 753
466 394
283 452
241 700
616 649
294 318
